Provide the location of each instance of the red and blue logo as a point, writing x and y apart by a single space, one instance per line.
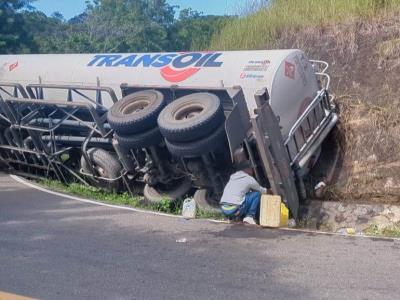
174 67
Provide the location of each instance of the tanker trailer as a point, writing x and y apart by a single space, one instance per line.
181 117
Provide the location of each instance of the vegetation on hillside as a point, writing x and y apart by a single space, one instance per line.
261 29
360 39
105 26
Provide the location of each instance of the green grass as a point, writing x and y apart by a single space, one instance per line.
124 199
392 231
262 28
166 206
390 48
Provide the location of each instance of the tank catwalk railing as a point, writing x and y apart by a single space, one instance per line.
313 120
38 138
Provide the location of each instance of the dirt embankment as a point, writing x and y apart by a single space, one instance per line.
365 68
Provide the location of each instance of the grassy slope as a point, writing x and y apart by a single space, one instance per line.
361 41
262 29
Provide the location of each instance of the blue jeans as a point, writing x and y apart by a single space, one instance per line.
251 205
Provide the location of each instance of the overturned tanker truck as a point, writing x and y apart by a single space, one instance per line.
166 124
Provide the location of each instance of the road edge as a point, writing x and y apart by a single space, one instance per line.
306 231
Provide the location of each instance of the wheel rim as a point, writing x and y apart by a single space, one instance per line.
100 171
188 111
135 106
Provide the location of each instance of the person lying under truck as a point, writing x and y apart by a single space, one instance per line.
242 195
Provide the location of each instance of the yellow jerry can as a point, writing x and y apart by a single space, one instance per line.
273 212
284 215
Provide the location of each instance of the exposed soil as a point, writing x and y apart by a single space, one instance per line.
365 68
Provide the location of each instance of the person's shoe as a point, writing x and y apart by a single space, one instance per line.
249 220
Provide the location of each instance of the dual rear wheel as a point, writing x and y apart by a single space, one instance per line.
134 119
193 125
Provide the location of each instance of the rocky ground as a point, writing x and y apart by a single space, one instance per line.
352 218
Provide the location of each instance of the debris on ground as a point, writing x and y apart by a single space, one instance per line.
182 240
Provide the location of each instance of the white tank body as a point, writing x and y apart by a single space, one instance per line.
287 74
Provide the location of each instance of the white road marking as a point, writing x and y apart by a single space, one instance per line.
34 186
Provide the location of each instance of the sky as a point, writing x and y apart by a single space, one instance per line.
71 8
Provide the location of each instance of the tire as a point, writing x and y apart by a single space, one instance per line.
200 147
140 140
109 166
204 202
191 117
136 112
156 194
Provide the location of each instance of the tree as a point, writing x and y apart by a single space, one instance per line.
48 33
14 37
127 25
193 30
105 26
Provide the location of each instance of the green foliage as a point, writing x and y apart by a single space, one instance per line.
165 206
92 193
261 28
207 214
105 26
47 32
14 36
122 25
391 231
193 31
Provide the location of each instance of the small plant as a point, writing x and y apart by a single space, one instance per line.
207 214
165 206
390 231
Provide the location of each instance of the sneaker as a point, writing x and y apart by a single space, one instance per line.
249 220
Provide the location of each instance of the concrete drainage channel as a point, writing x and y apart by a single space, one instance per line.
336 218
352 218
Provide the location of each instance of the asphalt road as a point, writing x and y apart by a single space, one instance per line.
56 248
